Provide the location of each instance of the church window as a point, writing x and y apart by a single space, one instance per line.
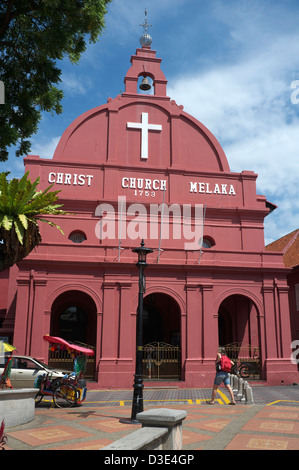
208 242
77 237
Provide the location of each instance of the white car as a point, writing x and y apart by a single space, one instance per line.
26 369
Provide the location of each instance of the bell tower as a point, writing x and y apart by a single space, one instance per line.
145 64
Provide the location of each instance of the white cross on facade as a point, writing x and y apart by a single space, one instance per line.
145 127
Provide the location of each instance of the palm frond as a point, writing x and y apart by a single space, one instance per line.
21 208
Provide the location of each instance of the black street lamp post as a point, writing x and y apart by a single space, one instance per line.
137 404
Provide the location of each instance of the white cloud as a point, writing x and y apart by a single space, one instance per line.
46 148
247 105
74 84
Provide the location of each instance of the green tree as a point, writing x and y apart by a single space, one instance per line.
21 207
34 34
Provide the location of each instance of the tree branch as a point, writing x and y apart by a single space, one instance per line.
7 18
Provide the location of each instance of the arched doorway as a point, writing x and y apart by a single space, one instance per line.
161 337
73 318
239 331
73 323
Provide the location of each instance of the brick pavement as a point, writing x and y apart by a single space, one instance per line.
272 423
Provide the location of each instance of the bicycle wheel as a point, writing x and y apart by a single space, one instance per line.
64 396
78 401
244 371
38 398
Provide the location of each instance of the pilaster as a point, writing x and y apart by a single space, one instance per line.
21 318
38 322
110 321
210 324
270 323
126 351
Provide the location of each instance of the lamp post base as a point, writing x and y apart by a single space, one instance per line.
129 421
137 402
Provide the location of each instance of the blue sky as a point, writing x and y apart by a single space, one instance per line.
233 64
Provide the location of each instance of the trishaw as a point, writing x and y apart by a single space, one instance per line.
71 389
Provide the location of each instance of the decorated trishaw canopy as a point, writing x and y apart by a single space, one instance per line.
63 344
5 347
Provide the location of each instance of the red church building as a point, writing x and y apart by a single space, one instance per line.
140 167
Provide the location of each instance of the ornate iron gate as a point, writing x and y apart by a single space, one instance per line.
161 361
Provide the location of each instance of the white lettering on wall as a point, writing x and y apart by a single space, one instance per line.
70 179
146 184
212 188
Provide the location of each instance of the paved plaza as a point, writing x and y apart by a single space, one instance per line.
271 423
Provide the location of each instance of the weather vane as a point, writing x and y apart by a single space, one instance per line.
146 24
145 39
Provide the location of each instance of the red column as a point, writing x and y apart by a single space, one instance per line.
285 326
193 334
21 317
126 325
210 325
110 321
279 369
37 325
270 329
116 362
194 322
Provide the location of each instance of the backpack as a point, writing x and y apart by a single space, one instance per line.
225 364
